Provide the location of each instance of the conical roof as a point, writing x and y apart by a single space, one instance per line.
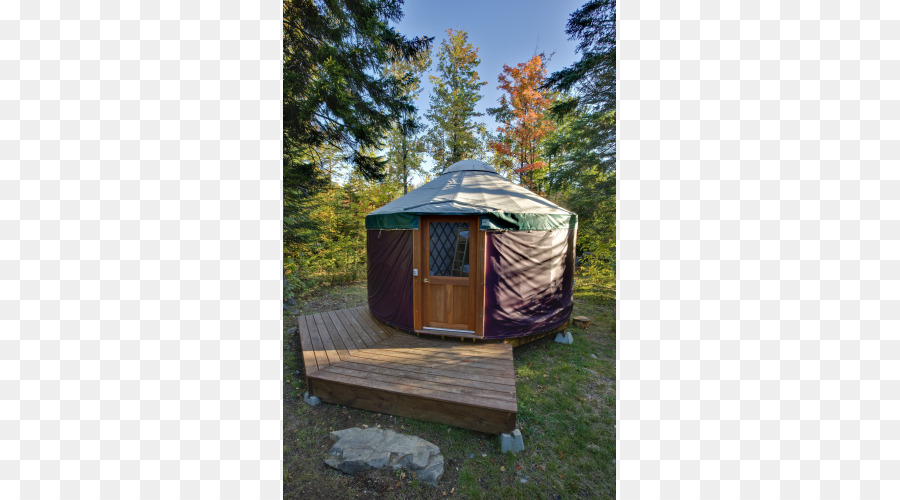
472 187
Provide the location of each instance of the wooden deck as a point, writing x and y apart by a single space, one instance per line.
352 359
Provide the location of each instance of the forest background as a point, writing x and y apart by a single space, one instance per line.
370 113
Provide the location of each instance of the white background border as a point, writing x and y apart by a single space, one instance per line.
758 242
140 219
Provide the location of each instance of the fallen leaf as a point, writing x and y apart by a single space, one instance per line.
492 461
398 484
502 468
560 454
402 475
560 476
452 490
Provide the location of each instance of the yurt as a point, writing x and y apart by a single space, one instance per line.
471 255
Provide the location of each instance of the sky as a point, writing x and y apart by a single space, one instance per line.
505 32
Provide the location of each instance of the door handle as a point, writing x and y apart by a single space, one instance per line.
425 280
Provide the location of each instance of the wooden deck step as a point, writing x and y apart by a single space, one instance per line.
353 359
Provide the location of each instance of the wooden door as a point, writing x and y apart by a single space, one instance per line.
449 257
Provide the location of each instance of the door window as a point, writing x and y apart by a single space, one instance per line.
449 249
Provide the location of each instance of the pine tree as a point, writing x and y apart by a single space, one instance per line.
405 148
594 75
454 135
337 98
337 103
336 91
586 142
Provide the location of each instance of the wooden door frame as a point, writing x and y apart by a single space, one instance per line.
476 247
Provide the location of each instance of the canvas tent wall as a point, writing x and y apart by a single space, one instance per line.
473 255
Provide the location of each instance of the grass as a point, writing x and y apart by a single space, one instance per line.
567 410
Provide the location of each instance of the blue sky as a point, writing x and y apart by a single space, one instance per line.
505 32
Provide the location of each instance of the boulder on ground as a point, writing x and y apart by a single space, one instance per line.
364 449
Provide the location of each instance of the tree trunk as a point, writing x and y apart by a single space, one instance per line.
403 164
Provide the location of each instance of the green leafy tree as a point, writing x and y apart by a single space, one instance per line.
454 134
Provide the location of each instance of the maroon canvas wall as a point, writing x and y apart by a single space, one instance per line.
529 282
390 279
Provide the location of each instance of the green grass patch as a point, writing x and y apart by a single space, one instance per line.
567 414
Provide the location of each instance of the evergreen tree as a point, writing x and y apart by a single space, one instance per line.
336 94
586 142
454 135
405 148
336 91
594 75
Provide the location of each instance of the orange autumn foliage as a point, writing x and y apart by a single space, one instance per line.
523 115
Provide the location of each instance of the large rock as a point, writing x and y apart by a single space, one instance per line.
364 449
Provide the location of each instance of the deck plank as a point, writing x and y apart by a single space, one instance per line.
329 348
310 365
489 352
354 359
341 345
463 372
486 351
377 327
450 363
438 357
437 383
363 330
486 420
371 325
392 386
351 334
318 347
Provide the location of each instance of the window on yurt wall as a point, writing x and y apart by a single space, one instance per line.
449 249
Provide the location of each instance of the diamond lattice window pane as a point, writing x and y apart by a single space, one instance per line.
449 251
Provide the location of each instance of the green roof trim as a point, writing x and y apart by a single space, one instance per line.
501 221
392 221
